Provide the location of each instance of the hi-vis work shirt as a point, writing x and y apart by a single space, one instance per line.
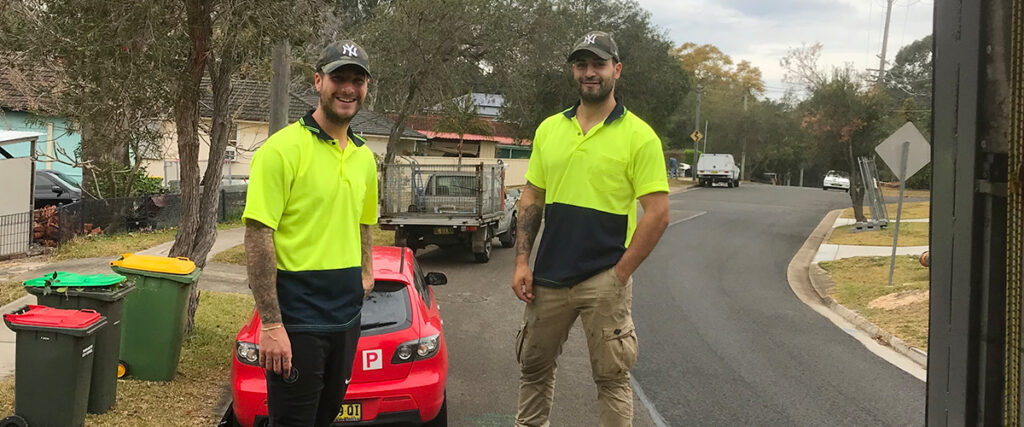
591 183
314 194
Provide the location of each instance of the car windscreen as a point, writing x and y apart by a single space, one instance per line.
386 309
71 182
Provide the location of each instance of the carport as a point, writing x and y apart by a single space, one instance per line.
16 203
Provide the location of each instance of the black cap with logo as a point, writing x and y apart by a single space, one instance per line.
598 42
340 53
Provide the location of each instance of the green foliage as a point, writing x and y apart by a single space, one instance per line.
530 62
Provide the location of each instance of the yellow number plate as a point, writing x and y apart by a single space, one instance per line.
350 412
443 230
714 171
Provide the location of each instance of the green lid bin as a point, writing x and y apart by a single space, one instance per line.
54 352
153 322
105 294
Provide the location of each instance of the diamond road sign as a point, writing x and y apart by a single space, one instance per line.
696 136
919 152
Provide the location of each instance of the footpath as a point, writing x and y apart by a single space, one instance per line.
215 277
805 273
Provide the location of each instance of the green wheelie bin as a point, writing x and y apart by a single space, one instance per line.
103 293
53 360
153 322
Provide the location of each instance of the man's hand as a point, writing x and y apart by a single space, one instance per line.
367 286
275 349
617 270
522 282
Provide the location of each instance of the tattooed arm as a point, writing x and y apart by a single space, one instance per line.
261 261
531 211
366 238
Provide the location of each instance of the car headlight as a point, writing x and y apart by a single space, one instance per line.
419 349
247 353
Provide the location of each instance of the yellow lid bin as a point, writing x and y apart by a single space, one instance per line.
155 264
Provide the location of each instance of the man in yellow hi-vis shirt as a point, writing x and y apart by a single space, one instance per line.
311 201
589 166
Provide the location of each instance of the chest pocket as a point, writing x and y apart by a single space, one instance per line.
608 173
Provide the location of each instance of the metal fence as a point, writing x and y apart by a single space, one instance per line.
135 213
441 189
15 233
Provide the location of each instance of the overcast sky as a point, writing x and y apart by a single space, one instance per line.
761 31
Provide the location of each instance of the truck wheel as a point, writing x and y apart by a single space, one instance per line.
483 257
728 184
14 421
736 183
508 239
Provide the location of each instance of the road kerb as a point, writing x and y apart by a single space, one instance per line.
821 283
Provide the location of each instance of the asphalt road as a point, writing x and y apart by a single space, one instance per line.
723 339
726 342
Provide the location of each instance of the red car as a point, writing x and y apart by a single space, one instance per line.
401 363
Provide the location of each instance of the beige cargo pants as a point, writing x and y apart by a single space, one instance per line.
603 304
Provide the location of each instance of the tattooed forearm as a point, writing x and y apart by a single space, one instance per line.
366 236
531 211
261 264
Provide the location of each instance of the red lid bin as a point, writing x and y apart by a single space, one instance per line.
53 363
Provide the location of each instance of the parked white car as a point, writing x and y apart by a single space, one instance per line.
836 179
712 168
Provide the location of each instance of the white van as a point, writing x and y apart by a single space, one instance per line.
712 168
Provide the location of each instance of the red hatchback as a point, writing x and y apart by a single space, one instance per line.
401 363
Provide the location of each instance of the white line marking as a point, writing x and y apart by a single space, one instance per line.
686 219
655 416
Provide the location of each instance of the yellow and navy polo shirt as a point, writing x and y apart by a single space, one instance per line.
314 194
591 183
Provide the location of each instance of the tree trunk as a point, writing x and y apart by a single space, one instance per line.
396 130
186 115
209 202
460 152
856 186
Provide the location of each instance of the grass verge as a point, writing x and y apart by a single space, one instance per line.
911 210
105 245
10 291
863 280
907 193
203 373
911 234
109 245
236 255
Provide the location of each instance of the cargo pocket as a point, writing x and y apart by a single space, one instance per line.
620 352
520 337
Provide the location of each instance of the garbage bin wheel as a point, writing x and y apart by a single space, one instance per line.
122 369
13 421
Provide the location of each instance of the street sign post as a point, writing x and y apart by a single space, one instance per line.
906 151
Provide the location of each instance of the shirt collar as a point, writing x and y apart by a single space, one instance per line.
616 113
310 124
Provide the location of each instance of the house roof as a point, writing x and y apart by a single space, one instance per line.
25 88
501 132
470 137
250 100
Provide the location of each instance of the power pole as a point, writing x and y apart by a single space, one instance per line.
705 137
743 152
885 43
279 87
696 127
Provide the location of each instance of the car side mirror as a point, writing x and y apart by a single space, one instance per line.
57 190
436 279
